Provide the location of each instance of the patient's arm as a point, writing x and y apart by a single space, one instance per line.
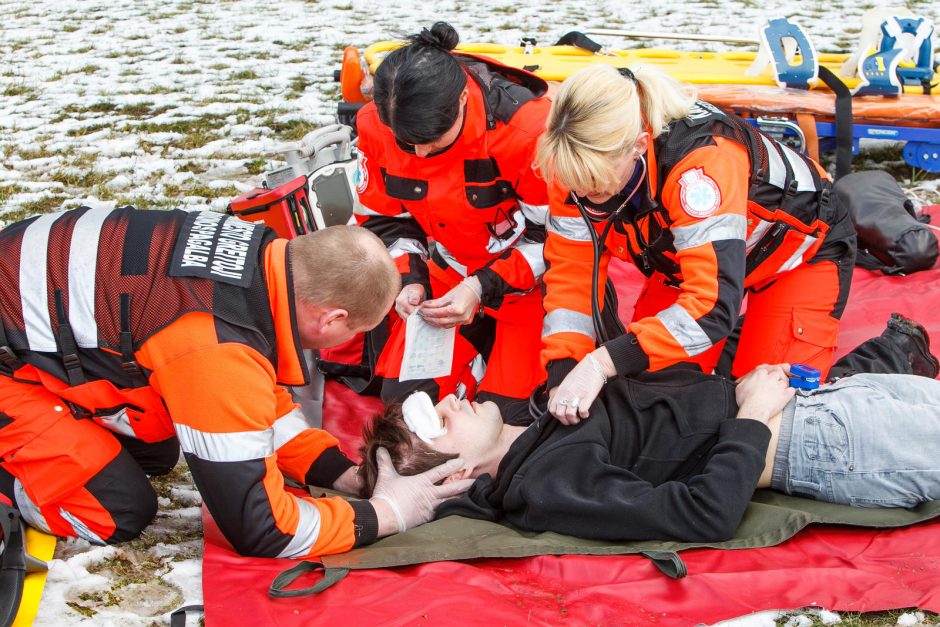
591 498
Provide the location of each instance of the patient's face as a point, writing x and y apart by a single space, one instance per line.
472 428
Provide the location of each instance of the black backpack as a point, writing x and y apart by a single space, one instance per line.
891 236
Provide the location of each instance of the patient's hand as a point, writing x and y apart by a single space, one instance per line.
764 392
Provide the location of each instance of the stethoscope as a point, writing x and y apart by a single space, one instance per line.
592 217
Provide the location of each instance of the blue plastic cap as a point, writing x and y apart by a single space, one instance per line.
804 377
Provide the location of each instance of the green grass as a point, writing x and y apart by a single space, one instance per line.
256 166
866 619
18 88
243 75
8 190
46 204
86 130
297 86
290 130
201 190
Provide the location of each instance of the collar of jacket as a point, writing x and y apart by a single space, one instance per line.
291 367
474 125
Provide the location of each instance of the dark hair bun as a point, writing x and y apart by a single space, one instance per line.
442 35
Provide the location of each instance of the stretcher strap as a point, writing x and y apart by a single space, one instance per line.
12 564
807 124
178 617
668 562
579 40
278 589
844 136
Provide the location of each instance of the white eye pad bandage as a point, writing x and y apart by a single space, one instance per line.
421 417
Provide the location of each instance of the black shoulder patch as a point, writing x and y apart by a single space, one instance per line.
702 112
217 247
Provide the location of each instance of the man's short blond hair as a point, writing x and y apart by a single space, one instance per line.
344 267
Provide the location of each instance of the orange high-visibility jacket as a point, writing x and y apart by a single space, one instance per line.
479 200
152 323
725 208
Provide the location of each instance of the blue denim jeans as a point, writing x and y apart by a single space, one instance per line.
870 440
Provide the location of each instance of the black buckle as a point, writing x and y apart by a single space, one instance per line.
9 358
131 368
71 362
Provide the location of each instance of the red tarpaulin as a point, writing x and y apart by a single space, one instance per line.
839 568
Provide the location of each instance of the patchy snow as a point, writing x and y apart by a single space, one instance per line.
164 103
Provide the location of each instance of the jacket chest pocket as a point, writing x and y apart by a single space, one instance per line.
407 189
494 205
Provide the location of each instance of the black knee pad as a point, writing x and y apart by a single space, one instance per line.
154 458
125 492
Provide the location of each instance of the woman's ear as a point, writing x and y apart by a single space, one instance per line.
642 143
463 473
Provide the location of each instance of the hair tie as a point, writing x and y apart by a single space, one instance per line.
627 73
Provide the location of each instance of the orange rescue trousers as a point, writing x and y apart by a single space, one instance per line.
795 319
69 476
508 339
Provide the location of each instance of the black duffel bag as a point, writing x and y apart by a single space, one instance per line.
891 237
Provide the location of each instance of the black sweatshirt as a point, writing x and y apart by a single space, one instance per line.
659 458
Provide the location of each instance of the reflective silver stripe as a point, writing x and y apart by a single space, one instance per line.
797 258
225 447
28 509
570 228
361 210
536 214
34 293
804 178
567 321
83 261
712 229
683 327
288 427
81 529
117 422
532 253
478 368
778 171
758 232
308 530
450 259
496 245
405 246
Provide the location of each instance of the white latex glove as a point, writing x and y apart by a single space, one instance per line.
409 298
458 306
571 400
413 499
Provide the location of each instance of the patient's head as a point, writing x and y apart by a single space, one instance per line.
472 431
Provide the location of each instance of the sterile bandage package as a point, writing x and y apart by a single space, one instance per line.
429 350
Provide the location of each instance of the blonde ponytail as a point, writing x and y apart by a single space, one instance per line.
596 116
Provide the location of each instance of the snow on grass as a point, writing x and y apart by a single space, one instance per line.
184 103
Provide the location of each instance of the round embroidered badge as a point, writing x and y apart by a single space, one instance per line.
361 177
699 193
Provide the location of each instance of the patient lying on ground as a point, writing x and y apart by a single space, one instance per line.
677 455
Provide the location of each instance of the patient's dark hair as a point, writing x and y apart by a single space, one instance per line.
417 87
410 456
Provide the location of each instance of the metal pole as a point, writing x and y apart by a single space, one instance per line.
642 35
